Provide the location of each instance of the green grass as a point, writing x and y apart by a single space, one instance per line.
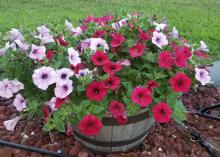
195 19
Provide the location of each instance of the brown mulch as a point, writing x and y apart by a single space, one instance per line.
163 140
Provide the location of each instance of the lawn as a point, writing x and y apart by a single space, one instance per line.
195 19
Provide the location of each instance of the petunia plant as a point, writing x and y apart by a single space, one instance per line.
106 65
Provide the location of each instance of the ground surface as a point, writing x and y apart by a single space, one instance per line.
195 19
163 140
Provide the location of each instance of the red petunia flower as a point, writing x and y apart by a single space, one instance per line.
116 108
180 82
162 112
187 51
122 119
137 50
152 84
112 82
117 39
143 35
99 58
90 125
111 68
49 55
99 33
59 102
201 54
141 96
96 91
76 68
62 41
165 60
69 130
180 58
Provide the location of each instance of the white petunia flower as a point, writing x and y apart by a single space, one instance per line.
5 89
83 73
69 25
52 103
11 124
119 24
175 33
159 39
203 46
43 77
22 46
203 76
19 102
44 35
74 58
63 75
16 86
4 49
62 91
76 31
13 35
43 30
37 52
98 42
160 26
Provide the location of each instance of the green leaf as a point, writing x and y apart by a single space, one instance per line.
179 112
59 125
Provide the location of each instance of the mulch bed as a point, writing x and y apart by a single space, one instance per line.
163 140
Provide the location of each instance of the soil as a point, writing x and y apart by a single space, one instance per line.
164 140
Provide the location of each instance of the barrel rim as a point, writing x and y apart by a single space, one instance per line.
110 121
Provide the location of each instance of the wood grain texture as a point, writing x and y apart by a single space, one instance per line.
118 133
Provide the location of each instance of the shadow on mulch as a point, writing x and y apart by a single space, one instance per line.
163 140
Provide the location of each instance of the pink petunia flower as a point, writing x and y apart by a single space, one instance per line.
43 77
37 52
19 102
62 91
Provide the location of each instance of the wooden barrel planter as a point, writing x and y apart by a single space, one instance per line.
115 138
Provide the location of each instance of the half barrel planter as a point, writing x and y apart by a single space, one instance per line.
115 138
